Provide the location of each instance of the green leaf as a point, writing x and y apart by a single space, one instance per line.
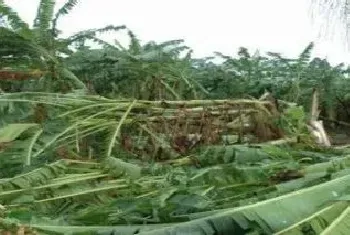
11 131
268 216
339 225
118 167
318 222
64 10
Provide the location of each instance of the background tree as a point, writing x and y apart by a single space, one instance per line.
151 71
40 47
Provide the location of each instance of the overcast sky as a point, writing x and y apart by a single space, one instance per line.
221 25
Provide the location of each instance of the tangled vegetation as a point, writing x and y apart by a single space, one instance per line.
146 139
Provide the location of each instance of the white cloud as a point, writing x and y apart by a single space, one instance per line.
222 25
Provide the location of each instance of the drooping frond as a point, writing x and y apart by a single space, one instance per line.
243 53
305 55
172 43
135 45
93 32
13 19
16 46
64 10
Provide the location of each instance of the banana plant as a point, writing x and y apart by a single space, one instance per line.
144 71
40 46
